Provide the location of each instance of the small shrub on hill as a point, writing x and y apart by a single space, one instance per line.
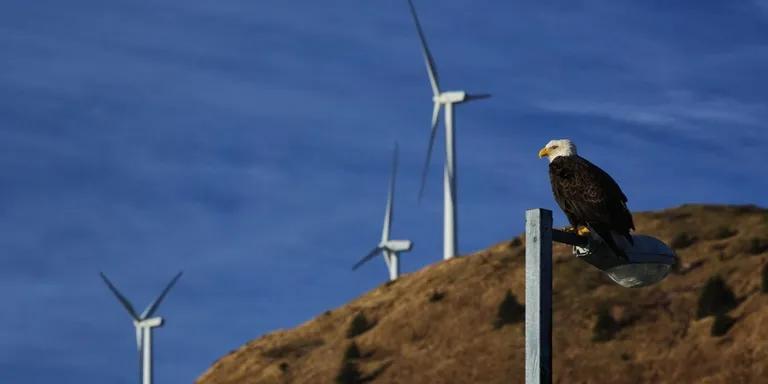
716 298
349 374
510 311
626 356
724 233
358 326
764 287
757 246
605 326
721 325
292 348
682 240
436 296
352 352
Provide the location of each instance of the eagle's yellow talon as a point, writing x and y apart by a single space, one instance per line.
583 231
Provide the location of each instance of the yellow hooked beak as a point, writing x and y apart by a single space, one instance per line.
544 152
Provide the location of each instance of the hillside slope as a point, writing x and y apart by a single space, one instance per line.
437 325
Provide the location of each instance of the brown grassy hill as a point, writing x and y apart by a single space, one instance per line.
438 325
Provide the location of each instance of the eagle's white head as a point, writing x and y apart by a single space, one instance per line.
557 148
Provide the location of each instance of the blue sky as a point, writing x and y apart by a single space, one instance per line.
248 144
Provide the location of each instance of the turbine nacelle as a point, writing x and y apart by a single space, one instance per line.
149 323
450 97
396 245
455 97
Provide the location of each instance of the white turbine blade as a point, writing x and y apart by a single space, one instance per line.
477 96
120 297
432 134
138 338
367 257
435 115
153 306
387 258
431 70
390 197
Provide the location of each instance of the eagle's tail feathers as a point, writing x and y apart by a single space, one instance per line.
630 239
607 237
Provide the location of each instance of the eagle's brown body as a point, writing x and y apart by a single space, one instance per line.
590 197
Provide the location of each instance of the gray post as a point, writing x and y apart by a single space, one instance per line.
538 296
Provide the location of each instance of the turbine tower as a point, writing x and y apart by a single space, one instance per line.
441 99
144 323
389 248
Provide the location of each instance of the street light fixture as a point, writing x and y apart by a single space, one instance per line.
648 262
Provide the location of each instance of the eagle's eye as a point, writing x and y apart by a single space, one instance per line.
554 147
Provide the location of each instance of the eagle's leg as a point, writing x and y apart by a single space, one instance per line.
583 231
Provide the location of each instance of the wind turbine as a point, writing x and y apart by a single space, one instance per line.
389 248
144 323
441 99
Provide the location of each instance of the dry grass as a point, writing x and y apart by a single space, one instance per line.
449 337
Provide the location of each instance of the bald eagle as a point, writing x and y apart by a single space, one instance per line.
588 196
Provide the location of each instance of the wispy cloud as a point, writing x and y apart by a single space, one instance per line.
675 112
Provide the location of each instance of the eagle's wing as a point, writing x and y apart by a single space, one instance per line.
586 192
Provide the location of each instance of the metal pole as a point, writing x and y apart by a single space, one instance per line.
538 296
450 238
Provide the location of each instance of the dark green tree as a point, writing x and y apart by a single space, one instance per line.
349 374
510 311
721 325
716 298
436 296
352 352
682 240
605 326
358 326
